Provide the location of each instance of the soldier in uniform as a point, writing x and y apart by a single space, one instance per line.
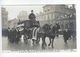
32 18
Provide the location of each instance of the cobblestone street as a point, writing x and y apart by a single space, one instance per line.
58 45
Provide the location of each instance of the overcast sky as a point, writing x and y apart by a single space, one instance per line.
13 11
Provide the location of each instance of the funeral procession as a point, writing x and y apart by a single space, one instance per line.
39 27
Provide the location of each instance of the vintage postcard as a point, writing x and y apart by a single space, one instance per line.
40 27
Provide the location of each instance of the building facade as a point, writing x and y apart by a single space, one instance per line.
13 23
22 16
4 17
61 14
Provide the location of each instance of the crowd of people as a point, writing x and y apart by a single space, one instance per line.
14 35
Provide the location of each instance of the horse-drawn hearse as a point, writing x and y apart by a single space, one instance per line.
33 31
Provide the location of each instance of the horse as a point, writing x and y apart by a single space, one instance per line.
49 32
41 32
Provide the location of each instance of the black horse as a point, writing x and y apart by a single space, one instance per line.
49 32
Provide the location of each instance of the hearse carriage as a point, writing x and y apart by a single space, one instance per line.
27 25
26 28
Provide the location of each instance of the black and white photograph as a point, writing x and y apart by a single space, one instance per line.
39 27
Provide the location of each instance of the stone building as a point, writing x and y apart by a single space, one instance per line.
13 23
4 17
61 14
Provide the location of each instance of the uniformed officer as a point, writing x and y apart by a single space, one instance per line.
32 18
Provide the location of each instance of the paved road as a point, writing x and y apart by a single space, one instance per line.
58 45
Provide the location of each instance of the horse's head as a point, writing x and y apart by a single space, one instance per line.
46 28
